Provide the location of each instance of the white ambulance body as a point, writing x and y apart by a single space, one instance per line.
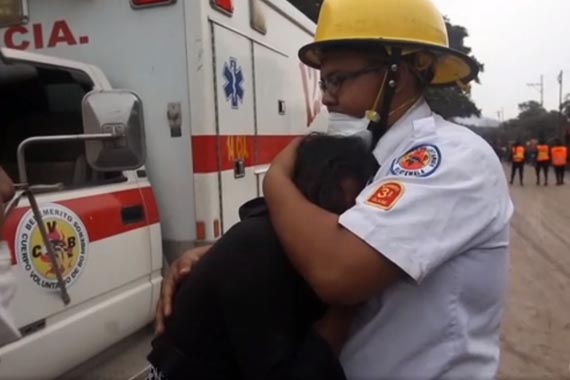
222 91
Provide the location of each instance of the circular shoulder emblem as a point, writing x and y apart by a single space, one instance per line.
420 161
69 238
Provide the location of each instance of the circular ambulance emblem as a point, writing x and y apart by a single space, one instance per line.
420 161
69 238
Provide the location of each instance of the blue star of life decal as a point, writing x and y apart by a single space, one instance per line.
233 83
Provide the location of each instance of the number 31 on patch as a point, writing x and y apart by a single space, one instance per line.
387 195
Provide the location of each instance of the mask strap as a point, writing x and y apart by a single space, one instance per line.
380 113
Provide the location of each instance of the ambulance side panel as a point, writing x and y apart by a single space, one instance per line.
264 97
143 50
103 227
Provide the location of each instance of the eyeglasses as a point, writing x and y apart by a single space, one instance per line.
334 82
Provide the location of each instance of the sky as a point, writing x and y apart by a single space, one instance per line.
518 41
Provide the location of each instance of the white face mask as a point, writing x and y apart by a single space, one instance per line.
346 125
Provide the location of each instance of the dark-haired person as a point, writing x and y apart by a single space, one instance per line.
245 313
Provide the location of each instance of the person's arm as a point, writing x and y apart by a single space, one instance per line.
178 270
341 268
334 327
347 260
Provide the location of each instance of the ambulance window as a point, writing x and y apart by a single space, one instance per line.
37 100
63 97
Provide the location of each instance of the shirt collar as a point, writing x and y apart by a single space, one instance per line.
400 130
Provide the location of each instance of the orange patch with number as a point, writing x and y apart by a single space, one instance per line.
387 195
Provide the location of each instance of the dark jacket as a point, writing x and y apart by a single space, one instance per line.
245 313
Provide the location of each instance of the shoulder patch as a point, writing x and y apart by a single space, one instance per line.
387 195
420 161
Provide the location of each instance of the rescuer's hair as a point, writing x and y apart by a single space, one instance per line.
324 165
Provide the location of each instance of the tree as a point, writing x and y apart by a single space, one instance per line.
531 109
452 101
533 122
449 101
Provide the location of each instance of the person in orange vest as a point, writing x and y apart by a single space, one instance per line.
518 158
559 155
542 161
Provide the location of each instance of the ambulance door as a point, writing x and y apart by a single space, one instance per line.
273 107
97 225
235 119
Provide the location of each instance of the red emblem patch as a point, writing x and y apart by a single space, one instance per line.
421 161
387 195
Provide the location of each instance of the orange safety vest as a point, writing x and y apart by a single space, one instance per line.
559 155
518 154
543 153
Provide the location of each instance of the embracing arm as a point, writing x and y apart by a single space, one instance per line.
175 274
341 268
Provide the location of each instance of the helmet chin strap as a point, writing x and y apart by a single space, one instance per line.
380 113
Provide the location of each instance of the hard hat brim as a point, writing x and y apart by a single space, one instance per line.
451 66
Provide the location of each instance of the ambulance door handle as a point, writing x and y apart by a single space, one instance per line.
132 214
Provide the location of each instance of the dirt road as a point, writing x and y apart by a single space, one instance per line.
536 330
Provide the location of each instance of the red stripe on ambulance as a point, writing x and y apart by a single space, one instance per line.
231 148
101 214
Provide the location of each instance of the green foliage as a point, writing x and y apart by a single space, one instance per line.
451 101
533 122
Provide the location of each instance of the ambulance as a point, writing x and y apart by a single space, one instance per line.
134 130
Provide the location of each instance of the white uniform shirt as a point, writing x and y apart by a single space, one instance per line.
439 208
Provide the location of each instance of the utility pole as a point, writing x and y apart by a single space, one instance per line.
540 87
501 115
560 117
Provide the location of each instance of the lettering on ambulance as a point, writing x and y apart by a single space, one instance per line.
313 96
59 33
237 148
68 235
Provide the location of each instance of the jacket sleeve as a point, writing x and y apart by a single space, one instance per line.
264 331
267 354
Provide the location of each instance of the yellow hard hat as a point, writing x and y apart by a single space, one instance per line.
412 25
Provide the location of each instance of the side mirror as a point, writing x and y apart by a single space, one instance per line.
119 112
